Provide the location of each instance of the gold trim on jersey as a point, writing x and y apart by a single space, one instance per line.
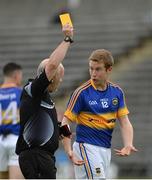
122 112
71 116
103 121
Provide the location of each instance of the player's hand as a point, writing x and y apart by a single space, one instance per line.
126 151
67 30
74 159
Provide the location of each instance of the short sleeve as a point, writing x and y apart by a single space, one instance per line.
122 109
37 87
74 106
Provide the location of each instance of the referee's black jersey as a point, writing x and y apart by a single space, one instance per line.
38 118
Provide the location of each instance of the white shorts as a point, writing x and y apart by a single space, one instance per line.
96 158
7 152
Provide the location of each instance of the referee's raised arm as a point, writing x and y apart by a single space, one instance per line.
59 53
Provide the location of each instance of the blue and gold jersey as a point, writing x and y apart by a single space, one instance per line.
95 112
9 109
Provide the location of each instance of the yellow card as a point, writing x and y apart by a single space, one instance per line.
65 18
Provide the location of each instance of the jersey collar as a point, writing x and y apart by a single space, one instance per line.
92 83
8 85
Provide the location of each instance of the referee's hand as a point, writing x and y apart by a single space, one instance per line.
74 159
67 30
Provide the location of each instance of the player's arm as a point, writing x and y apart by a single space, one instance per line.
66 140
59 53
67 146
127 136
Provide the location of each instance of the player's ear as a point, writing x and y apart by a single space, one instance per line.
109 69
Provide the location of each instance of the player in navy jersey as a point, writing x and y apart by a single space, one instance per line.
94 107
10 93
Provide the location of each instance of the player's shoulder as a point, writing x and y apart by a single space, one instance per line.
19 90
83 86
16 89
115 86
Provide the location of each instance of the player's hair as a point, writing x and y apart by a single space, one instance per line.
9 68
102 55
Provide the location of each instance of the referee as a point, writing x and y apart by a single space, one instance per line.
39 133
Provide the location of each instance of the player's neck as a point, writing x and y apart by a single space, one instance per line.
102 86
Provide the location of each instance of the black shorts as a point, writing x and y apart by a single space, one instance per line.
37 164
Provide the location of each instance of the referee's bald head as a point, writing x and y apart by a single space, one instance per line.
57 78
42 65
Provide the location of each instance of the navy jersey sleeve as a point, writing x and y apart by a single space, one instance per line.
37 87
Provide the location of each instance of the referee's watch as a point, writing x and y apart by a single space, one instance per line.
68 39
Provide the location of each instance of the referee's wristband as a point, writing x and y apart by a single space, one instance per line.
68 39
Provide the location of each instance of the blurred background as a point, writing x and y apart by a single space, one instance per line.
30 31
